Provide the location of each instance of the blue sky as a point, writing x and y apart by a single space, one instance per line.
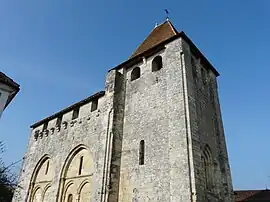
59 52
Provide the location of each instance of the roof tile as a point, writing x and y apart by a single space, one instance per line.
161 33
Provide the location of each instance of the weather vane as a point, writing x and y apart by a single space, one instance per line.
167 14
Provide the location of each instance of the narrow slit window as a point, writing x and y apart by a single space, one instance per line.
75 113
204 77
194 68
94 105
70 198
59 120
47 167
141 153
136 73
45 126
81 165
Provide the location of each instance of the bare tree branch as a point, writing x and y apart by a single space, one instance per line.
8 179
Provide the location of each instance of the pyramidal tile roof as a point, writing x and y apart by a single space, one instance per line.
159 34
157 39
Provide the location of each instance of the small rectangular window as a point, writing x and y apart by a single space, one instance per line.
141 153
194 68
94 105
59 120
75 113
204 76
45 126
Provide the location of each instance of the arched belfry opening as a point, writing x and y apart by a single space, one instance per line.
208 169
40 186
136 73
76 176
157 63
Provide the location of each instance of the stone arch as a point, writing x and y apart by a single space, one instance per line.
207 162
46 193
66 189
135 73
69 190
157 63
70 198
70 175
82 184
37 193
83 191
36 188
38 166
41 178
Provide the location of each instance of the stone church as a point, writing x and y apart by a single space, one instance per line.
154 134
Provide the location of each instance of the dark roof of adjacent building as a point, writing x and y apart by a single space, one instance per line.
71 107
9 82
252 195
156 41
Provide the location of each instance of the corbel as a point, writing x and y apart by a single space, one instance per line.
65 123
52 130
36 134
58 127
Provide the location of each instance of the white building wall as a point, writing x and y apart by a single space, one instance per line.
5 91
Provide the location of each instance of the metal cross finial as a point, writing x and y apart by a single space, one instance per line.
167 14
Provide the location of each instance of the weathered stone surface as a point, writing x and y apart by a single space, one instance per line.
173 110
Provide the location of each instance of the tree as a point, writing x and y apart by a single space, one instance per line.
8 180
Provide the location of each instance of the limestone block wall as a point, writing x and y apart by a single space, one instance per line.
206 129
154 112
144 142
89 130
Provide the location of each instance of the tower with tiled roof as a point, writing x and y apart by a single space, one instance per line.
154 134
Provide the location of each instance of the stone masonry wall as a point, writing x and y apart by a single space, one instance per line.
89 129
154 112
206 128
174 112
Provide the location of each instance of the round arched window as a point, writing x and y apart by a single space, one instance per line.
136 73
157 63
70 197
